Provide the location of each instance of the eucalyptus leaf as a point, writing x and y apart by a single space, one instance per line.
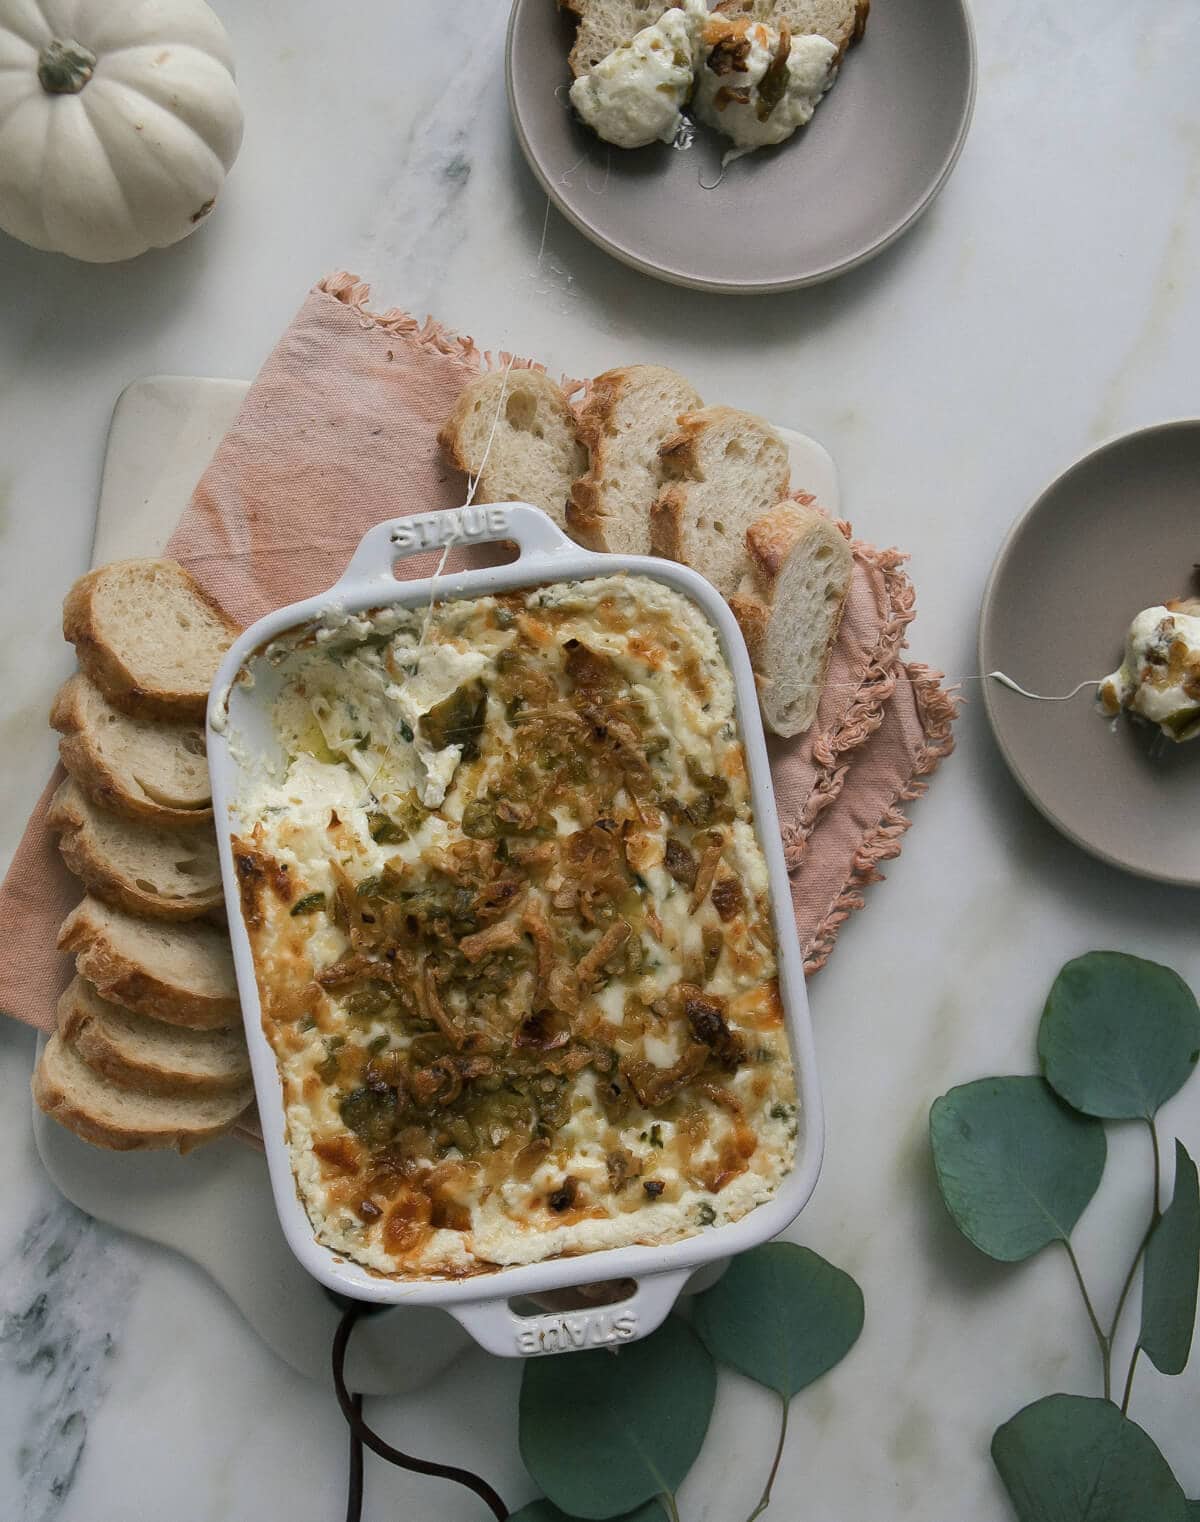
603 1433
546 1511
781 1315
1119 1035
1069 1458
1171 1274
1016 1167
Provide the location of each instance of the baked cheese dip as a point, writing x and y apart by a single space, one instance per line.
510 927
1159 678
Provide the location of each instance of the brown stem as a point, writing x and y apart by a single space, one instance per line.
1102 1340
765 1499
65 67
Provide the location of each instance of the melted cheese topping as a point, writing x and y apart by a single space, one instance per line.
635 96
756 85
509 920
1159 679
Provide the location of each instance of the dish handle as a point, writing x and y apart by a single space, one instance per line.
537 537
498 1329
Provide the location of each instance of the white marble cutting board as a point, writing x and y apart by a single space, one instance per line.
215 1206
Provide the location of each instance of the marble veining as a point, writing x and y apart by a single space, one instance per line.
64 1299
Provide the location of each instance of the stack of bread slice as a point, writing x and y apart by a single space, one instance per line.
644 467
149 1050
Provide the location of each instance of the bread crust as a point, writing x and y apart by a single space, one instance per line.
104 665
753 617
83 760
125 981
666 524
68 817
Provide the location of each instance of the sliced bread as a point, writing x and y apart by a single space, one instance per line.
70 1091
515 432
137 1052
142 768
605 25
155 870
727 468
148 637
842 22
627 416
790 607
182 974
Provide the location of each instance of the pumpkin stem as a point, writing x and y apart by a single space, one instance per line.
65 67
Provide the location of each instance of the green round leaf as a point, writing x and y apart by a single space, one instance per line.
1016 1168
781 1315
1070 1459
1172 1270
603 1433
546 1511
1118 1035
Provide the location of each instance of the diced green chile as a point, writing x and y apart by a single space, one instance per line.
309 904
457 720
370 1114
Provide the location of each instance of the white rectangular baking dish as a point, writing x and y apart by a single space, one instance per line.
239 727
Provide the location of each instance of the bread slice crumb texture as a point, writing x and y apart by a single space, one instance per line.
180 973
164 873
142 768
148 636
67 1089
138 1052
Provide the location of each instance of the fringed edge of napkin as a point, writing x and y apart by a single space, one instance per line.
938 708
433 335
833 752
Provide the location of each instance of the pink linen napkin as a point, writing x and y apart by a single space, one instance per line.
338 432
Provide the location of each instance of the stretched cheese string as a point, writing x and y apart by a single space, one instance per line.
1038 697
472 487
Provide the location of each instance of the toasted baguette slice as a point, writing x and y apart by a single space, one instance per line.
516 432
727 469
182 974
142 768
605 25
161 872
790 607
627 416
122 1120
137 1052
842 22
148 637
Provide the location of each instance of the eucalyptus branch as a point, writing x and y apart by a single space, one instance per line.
765 1499
1157 1167
1129 1381
668 1500
1101 1339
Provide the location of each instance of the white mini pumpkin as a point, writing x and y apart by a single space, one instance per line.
119 120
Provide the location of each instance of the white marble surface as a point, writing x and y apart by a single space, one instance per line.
1050 299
